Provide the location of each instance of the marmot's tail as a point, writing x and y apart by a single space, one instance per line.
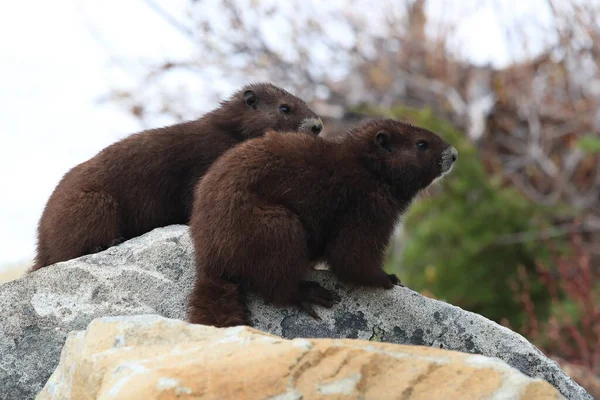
217 302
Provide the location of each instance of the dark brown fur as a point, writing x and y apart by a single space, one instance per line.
271 208
147 179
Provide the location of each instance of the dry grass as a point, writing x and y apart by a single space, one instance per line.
9 272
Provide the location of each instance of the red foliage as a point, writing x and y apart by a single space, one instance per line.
572 332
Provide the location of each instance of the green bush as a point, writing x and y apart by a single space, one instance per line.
461 242
589 144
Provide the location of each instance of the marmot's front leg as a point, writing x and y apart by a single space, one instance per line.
358 258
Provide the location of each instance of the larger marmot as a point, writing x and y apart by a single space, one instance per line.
271 208
147 180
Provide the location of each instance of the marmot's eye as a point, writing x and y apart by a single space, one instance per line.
422 145
284 108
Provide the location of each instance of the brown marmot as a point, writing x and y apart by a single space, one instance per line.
272 207
147 180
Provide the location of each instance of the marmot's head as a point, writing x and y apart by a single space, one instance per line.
261 106
408 157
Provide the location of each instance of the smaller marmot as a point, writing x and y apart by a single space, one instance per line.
272 207
147 180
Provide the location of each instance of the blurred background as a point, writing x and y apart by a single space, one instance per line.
513 233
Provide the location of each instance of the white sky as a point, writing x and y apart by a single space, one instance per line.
53 70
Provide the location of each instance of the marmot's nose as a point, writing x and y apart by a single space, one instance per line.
313 125
453 154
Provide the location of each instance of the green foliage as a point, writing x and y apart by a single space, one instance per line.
589 144
463 244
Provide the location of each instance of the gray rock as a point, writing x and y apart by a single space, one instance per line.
153 274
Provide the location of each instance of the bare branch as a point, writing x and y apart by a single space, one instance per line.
187 32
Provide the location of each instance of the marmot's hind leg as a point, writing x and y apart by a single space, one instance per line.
217 303
80 222
278 266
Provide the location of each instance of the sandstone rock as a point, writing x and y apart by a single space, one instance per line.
151 357
153 274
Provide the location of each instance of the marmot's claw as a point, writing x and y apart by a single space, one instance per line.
336 297
116 241
310 310
395 280
313 293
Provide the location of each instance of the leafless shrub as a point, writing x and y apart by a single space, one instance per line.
527 117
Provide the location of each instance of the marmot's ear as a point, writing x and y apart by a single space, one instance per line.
250 98
383 139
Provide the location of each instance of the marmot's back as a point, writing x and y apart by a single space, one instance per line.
147 180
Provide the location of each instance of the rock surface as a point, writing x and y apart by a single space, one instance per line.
151 357
153 274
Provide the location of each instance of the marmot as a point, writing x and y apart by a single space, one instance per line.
147 179
272 207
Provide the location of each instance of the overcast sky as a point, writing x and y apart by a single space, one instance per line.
55 65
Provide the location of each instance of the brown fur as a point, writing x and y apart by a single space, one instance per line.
271 208
147 179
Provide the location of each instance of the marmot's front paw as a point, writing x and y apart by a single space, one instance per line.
313 293
395 280
116 241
